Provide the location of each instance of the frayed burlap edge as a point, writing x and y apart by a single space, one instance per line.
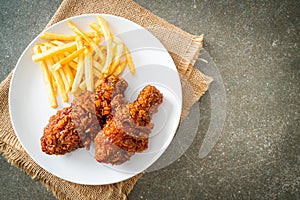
23 161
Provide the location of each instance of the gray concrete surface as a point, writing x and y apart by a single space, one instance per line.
255 45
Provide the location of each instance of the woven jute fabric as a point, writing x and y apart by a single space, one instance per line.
184 49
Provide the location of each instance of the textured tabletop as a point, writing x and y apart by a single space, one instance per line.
255 49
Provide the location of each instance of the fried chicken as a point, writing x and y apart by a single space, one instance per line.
60 135
105 92
118 128
127 131
77 125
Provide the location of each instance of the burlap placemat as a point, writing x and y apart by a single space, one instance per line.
184 49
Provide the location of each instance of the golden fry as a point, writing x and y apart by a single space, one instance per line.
62 74
96 72
96 40
57 78
54 51
97 65
97 58
116 62
66 85
108 39
87 39
69 76
68 58
120 68
57 43
54 84
49 45
56 36
96 28
88 72
80 67
73 65
129 61
47 79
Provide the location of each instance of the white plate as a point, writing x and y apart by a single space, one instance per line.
30 110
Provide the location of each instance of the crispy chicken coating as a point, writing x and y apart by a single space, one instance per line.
60 135
110 87
128 130
118 128
76 126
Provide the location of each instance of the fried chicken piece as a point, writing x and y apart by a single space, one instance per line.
145 105
110 87
107 152
76 126
71 128
60 135
84 117
128 130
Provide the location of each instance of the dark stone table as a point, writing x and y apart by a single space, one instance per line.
255 47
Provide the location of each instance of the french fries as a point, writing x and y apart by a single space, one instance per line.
88 72
47 79
54 51
55 36
108 39
116 61
56 77
87 39
130 62
68 58
80 67
78 63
